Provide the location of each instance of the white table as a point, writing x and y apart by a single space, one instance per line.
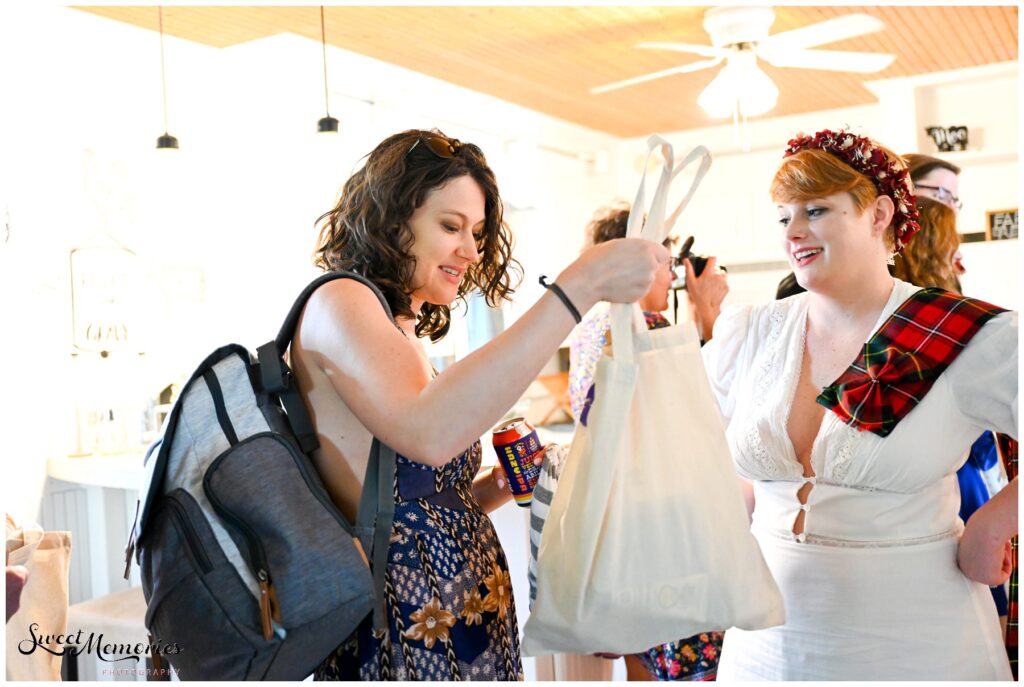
114 470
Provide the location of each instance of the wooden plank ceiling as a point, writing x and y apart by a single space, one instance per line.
546 58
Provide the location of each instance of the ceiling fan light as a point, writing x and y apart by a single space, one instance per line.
757 92
745 83
719 97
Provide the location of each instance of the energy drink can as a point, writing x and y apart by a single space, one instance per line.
516 444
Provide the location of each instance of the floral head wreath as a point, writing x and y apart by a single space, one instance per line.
865 156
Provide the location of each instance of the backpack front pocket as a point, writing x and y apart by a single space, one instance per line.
198 608
295 538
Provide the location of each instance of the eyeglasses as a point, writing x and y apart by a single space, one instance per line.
446 148
943 195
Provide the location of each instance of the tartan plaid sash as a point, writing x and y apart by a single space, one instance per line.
902 360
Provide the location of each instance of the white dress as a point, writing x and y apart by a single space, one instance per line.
872 588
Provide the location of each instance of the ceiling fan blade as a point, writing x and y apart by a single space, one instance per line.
703 50
831 60
828 31
682 69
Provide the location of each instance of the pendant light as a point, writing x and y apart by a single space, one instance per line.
326 124
166 141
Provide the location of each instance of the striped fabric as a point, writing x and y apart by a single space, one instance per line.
1008 449
550 470
902 360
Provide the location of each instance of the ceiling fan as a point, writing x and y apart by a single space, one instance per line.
739 36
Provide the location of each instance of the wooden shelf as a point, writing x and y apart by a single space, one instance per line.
976 157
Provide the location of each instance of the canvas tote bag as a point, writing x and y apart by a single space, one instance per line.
647 540
44 600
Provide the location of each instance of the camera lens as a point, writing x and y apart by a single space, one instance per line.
699 262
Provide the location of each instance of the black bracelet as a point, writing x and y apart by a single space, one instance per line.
557 290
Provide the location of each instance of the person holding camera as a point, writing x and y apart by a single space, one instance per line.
705 283
693 658
706 286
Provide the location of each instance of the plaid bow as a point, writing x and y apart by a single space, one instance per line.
903 359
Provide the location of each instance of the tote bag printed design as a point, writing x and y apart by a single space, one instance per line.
44 601
647 539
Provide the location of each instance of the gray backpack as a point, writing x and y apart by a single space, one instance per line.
248 569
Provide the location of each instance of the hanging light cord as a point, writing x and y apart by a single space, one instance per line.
163 76
323 42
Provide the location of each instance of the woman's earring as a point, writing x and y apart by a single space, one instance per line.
891 260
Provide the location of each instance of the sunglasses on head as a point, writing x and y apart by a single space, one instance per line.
446 148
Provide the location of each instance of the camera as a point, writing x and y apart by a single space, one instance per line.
699 262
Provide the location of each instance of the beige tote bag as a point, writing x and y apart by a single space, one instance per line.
647 540
44 600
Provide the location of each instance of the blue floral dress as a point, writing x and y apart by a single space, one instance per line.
694 659
447 589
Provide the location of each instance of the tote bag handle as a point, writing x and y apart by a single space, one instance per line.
627 318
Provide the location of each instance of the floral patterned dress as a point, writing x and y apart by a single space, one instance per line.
694 659
448 593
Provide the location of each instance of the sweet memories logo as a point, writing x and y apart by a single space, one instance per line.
73 644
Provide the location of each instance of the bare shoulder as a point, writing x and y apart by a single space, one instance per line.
346 332
345 298
342 312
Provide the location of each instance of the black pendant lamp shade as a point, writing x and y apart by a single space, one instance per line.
328 124
166 141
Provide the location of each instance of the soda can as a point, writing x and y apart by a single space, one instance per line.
516 444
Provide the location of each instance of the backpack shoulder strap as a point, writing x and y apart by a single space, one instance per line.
375 518
377 504
276 376
284 337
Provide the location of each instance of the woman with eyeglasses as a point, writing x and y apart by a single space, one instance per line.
422 220
849 408
935 178
939 180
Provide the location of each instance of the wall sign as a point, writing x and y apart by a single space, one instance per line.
1001 224
105 287
949 138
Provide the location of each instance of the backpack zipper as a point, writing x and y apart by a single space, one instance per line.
190 535
269 607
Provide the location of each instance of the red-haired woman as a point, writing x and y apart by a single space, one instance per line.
850 408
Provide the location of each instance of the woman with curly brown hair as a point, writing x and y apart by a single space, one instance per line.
422 221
